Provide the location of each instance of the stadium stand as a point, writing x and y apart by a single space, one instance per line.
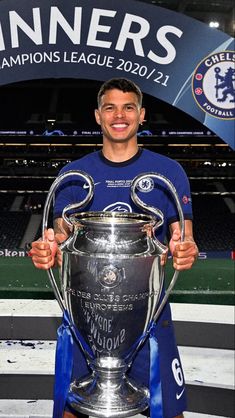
12 228
214 223
6 201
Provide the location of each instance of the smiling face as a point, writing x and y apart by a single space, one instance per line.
119 116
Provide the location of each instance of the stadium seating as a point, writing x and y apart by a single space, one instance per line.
214 228
12 228
6 201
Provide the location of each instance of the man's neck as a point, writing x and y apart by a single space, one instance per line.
119 152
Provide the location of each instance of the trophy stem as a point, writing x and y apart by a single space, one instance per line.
108 393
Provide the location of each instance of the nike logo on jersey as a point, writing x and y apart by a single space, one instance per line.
86 186
178 395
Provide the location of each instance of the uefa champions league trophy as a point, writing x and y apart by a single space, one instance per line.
111 281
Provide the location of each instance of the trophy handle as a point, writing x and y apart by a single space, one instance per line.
159 214
49 198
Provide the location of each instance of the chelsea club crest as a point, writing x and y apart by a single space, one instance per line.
213 85
146 185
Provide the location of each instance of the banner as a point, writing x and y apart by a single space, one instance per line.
170 56
15 252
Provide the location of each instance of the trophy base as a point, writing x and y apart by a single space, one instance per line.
108 394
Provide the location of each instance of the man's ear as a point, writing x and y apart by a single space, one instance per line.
97 116
142 115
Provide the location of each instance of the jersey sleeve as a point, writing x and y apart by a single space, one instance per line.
71 190
181 183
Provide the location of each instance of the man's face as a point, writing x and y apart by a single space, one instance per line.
119 115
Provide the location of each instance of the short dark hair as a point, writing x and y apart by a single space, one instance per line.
122 84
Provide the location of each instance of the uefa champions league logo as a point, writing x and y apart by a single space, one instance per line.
213 85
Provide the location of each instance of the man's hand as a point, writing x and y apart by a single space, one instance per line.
184 253
45 251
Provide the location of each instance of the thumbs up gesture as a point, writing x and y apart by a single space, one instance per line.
184 253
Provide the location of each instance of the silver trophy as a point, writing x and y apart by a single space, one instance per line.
111 282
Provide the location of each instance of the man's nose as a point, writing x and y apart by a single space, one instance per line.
119 112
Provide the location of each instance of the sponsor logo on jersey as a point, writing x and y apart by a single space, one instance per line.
118 207
213 85
145 185
186 199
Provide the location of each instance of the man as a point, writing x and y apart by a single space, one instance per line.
119 114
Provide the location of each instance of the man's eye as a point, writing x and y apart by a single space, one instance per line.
108 108
129 107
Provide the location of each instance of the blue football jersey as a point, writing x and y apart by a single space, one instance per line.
112 193
112 185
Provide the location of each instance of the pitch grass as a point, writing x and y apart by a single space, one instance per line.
209 281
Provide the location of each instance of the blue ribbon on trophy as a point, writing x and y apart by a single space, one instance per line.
64 366
155 379
66 334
